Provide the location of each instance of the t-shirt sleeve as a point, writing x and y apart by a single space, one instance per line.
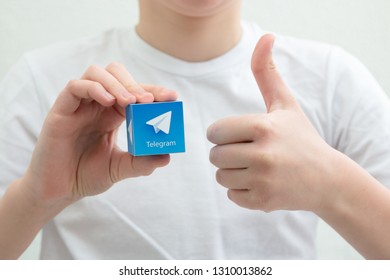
360 116
21 118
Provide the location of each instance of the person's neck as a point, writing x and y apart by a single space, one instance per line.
191 39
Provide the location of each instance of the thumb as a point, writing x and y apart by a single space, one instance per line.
275 92
124 165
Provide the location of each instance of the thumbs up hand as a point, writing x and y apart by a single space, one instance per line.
272 161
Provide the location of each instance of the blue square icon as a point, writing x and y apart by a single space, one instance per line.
155 128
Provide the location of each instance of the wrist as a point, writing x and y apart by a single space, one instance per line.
332 181
339 186
22 216
42 206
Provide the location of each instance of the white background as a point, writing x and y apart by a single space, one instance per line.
359 26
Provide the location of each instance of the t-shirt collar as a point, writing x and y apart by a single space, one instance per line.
168 63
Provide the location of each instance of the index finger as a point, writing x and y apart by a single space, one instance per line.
120 72
236 129
160 93
70 98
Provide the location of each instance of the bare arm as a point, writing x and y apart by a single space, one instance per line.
358 209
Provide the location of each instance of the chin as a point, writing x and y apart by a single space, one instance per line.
198 8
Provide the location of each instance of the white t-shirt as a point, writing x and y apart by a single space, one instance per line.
180 212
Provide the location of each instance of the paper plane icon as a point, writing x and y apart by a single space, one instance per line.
162 122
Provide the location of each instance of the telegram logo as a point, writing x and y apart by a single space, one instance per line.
161 123
155 128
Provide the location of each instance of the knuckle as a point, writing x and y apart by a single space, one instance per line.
93 70
262 127
114 177
114 66
261 201
266 205
219 176
133 88
211 132
215 156
257 68
264 159
72 85
263 69
261 193
94 87
159 92
252 181
158 89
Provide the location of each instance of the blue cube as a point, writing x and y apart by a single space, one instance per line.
155 128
